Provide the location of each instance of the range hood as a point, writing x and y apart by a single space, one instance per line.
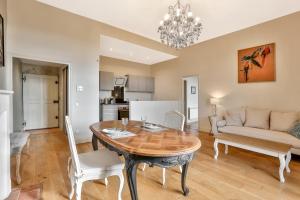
120 81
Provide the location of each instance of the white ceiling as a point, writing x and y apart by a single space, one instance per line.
142 17
115 48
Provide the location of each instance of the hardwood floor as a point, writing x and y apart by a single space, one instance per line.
238 175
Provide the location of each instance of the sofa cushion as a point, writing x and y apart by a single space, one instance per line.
283 121
257 118
275 136
234 117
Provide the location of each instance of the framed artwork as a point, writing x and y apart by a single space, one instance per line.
257 64
193 90
1 41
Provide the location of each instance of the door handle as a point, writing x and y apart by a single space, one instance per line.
56 101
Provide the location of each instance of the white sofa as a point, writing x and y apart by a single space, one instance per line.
258 123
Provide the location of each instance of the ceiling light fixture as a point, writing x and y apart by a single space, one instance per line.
179 29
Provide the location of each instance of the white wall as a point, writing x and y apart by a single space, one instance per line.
18 96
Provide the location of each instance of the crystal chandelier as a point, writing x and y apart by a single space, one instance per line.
179 29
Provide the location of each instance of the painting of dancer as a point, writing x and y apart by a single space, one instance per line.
256 64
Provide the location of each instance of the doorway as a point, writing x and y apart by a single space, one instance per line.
191 101
41 94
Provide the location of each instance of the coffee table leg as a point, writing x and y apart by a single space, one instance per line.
216 149
226 149
131 167
282 167
288 159
185 189
95 142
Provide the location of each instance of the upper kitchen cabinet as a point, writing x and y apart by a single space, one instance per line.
106 80
140 84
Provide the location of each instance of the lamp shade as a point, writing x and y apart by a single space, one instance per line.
214 101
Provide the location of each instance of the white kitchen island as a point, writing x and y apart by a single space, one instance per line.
154 111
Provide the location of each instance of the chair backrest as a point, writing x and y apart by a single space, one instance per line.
175 120
72 144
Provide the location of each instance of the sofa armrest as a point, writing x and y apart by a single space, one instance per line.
216 121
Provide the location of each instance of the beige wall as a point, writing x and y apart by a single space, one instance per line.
41 32
215 62
3 70
123 67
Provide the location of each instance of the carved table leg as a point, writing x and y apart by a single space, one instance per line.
95 142
183 179
282 167
131 167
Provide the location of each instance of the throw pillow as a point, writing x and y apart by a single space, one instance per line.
283 121
233 118
257 118
295 131
221 123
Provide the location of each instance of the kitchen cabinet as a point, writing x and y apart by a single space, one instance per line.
106 81
140 84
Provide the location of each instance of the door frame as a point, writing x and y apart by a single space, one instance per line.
183 95
42 59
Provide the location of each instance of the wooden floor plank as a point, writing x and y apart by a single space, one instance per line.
239 175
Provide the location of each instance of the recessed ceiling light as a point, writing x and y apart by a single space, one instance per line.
111 49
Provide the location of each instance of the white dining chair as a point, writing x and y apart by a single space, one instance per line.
93 165
174 120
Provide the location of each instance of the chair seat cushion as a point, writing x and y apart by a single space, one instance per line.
275 136
103 160
17 141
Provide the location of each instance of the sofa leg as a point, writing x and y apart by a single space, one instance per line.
216 149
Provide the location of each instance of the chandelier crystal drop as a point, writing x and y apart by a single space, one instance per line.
179 29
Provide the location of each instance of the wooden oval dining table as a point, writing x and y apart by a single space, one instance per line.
164 148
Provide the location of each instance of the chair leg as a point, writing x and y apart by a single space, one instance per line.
121 178
180 169
18 163
144 167
106 182
78 185
163 176
72 182
71 193
27 146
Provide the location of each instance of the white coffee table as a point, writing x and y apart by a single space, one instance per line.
279 150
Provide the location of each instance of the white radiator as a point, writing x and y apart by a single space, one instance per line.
193 113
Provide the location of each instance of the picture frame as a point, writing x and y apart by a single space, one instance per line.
257 64
193 90
2 60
